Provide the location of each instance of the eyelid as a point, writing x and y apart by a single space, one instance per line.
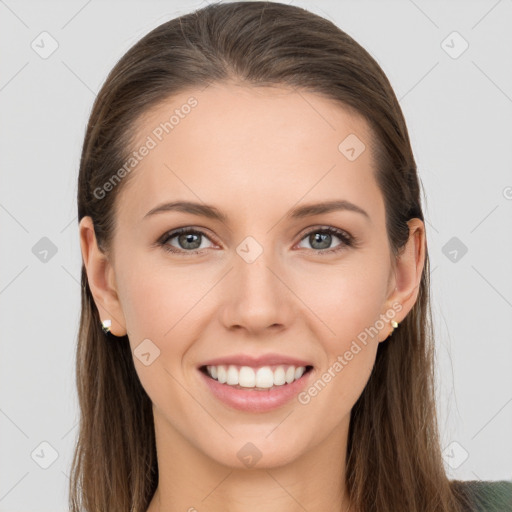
347 240
172 233
324 227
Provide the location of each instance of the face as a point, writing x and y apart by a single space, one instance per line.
269 277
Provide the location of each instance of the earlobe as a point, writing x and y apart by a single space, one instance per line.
101 279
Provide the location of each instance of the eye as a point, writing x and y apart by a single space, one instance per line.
321 239
187 240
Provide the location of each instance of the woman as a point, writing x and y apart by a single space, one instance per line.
255 330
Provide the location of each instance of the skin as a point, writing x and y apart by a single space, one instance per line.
253 153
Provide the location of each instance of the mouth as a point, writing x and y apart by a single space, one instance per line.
256 389
262 378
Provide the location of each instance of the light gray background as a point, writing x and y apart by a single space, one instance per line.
459 116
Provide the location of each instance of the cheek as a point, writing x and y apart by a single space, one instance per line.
155 309
350 306
165 306
347 300
158 300
148 308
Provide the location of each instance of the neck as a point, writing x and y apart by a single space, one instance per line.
190 481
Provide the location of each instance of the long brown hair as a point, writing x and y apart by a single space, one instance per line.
394 460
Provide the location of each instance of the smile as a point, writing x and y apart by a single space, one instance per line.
255 390
262 378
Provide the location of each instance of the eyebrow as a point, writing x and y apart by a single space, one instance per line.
300 212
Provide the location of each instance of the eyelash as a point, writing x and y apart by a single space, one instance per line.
346 239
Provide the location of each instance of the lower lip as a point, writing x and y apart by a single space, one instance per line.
253 400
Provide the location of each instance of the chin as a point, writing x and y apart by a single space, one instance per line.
255 452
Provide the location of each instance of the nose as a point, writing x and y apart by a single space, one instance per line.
256 296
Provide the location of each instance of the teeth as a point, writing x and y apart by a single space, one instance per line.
299 371
232 378
279 376
221 374
264 377
246 377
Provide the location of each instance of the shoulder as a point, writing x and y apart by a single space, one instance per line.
487 496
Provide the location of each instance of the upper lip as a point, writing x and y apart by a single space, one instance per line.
263 360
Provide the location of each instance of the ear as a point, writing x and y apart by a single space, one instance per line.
100 275
408 269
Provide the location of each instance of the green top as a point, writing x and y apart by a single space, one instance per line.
489 496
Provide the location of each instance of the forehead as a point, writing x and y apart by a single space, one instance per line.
251 146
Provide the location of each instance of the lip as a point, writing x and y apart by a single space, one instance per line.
255 362
253 400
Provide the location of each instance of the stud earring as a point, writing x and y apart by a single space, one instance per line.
394 325
105 325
